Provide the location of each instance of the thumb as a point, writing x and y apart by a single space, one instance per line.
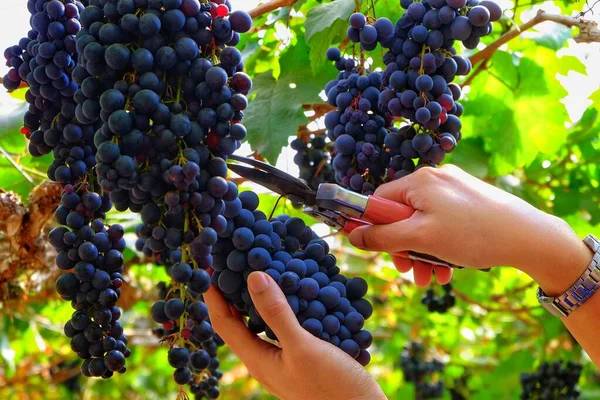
272 305
389 238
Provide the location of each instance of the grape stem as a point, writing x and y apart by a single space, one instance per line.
589 32
270 6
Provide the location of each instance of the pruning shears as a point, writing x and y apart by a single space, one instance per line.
339 208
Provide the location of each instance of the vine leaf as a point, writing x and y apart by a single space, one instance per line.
472 157
553 36
271 114
326 24
533 117
276 112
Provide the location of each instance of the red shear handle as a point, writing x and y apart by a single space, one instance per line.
351 225
382 211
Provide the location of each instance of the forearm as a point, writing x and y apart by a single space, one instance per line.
559 259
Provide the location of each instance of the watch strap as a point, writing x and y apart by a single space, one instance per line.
581 291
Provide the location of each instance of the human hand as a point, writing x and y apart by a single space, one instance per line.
468 222
304 367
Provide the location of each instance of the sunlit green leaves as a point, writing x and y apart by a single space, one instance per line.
526 98
472 157
326 24
271 117
554 36
277 110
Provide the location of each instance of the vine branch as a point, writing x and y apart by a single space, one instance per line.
589 32
270 6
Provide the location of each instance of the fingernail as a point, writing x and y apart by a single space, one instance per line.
257 282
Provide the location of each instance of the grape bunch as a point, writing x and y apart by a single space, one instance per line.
356 127
439 304
195 358
552 381
326 303
44 60
165 86
92 255
420 372
366 34
88 251
421 64
313 158
151 107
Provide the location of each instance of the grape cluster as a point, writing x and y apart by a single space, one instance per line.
313 158
92 255
88 251
166 109
326 303
439 304
165 87
552 381
44 60
421 64
369 35
356 127
420 372
148 106
195 358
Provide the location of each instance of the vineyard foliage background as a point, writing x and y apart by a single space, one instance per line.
521 132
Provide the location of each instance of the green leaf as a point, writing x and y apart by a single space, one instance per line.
471 156
532 80
11 121
296 70
504 64
276 112
321 17
271 116
566 202
503 141
554 36
585 129
326 24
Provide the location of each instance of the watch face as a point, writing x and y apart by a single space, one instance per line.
545 300
541 296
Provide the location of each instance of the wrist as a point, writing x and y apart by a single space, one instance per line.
557 257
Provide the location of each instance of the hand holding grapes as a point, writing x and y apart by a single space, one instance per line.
468 222
304 367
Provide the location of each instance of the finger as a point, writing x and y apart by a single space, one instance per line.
397 190
402 264
390 238
248 347
422 273
272 305
443 275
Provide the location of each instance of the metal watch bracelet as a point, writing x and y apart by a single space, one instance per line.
581 291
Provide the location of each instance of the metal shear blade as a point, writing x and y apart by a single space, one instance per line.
274 179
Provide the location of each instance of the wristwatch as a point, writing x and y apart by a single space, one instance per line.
581 291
